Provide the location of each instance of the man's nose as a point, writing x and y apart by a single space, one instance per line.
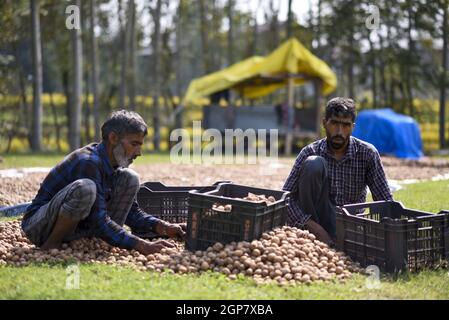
339 128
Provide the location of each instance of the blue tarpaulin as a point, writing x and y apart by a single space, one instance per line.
391 133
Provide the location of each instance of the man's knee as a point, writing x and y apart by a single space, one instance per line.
130 178
314 165
81 199
86 189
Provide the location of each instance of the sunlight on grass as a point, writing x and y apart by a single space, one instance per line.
49 160
109 282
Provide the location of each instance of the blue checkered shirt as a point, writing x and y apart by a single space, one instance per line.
348 177
92 162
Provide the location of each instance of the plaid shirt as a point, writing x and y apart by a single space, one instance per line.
92 162
360 167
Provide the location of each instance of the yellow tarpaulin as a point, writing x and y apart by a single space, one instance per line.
258 76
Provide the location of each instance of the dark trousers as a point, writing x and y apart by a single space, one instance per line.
76 201
313 193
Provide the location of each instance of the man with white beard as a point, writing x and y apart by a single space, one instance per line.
92 193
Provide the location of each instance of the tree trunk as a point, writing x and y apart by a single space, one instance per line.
215 34
383 80
179 63
390 69
132 56
255 44
86 113
444 77
256 38
274 27
75 110
204 37
372 57
55 121
123 64
94 64
318 31
311 25
68 95
230 33
350 66
85 105
36 127
289 19
410 65
230 110
402 90
156 70
205 52
24 103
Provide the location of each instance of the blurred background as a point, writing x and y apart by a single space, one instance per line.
58 83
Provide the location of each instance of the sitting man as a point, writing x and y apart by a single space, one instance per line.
92 193
333 171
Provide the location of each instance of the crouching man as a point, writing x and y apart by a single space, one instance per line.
333 171
92 193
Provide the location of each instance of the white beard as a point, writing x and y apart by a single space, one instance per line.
120 156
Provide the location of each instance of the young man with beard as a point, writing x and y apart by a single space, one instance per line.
92 193
333 171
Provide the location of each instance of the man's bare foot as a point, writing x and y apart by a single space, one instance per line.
63 226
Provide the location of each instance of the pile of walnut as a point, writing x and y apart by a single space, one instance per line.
286 255
250 197
259 198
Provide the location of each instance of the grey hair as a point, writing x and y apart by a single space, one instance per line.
340 107
123 122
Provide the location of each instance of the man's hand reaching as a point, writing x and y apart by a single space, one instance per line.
319 232
183 226
146 247
175 231
172 230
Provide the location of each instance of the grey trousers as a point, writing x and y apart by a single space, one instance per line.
313 193
76 200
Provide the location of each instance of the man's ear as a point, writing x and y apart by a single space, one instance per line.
323 121
113 138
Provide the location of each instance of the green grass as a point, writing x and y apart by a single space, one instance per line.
27 160
3 219
430 196
108 282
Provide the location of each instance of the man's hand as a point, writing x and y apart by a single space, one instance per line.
146 247
183 226
175 231
319 232
171 230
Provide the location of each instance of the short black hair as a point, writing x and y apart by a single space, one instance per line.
123 122
340 107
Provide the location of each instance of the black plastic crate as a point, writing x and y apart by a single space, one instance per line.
392 237
247 220
169 203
